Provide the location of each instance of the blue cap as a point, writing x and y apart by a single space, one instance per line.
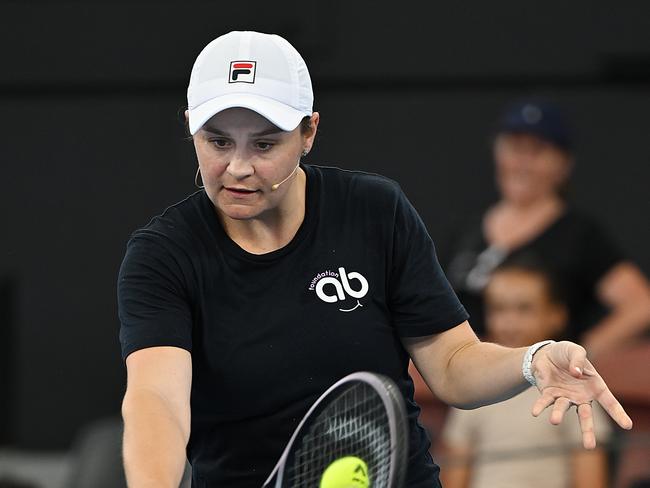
538 117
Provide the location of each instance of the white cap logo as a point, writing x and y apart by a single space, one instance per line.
242 72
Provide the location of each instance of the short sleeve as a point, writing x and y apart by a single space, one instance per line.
459 429
599 252
422 301
153 306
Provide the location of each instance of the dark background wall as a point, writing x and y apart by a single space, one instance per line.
92 145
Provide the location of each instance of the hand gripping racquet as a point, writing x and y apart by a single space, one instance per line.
362 416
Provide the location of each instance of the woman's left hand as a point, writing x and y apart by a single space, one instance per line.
565 377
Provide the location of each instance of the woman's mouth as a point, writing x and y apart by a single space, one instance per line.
239 192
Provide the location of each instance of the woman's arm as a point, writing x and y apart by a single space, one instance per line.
468 373
465 372
156 412
626 291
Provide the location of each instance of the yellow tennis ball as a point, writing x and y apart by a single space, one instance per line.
346 472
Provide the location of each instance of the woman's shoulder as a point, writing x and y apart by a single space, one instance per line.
172 227
357 180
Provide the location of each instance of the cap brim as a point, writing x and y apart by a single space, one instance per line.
283 116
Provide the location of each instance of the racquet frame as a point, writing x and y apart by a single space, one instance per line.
393 403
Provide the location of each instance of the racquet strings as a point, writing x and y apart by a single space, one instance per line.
355 423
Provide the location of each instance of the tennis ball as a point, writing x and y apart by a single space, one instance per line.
346 472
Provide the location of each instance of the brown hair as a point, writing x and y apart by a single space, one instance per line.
305 125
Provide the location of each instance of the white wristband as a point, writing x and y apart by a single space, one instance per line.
528 361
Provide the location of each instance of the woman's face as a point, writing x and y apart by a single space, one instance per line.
242 155
528 167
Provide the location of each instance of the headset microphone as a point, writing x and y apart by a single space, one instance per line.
277 185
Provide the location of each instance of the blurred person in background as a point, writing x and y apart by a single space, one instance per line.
503 445
608 296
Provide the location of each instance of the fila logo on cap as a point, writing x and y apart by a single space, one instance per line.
242 72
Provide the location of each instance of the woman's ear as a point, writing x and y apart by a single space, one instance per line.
315 119
313 125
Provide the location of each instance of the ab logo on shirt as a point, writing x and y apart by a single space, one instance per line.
333 287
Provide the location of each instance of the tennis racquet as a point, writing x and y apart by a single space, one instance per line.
362 416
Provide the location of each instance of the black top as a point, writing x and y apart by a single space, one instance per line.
576 250
269 333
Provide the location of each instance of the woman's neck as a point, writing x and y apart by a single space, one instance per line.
274 229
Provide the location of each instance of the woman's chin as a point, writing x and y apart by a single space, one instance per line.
240 212
237 210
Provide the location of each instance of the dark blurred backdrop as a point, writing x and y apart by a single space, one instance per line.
92 145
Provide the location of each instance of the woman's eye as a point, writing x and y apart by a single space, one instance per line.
221 143
264 146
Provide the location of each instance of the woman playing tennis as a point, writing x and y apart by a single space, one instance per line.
242 303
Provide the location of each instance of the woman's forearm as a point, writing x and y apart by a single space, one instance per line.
154 441
483 373
465 372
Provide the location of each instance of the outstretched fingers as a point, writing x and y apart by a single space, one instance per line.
586 418
615 409
542 403
560 407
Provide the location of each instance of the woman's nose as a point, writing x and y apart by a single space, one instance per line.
240 165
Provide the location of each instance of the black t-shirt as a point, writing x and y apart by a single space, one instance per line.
576 250
269 333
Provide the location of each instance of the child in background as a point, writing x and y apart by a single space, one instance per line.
502 445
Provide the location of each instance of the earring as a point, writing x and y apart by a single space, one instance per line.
196 179
304 153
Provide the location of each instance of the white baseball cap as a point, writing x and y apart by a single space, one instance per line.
260 72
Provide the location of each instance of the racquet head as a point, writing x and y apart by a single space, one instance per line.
363 416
